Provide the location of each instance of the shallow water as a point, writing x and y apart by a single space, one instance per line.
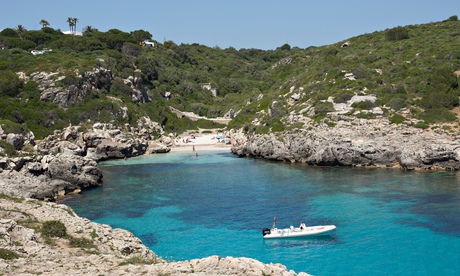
186 207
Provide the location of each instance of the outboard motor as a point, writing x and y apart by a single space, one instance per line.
265 231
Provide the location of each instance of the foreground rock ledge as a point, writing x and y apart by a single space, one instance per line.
106 251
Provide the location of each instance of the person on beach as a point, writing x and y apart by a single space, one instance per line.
193 147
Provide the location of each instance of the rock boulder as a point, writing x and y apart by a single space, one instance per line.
75 170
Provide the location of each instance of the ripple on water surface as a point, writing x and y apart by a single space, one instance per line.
185 207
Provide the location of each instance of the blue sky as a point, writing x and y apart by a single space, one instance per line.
257 24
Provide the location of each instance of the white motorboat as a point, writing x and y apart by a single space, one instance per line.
297 232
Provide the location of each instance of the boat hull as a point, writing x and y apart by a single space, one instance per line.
312 231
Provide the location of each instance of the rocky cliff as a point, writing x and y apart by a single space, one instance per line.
359 142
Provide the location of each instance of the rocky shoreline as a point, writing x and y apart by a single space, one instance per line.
364 143
66 163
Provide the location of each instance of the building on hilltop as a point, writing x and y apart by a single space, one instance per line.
147 43
73 33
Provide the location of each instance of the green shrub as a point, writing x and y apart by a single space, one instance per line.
276 125
11 127
9 32
321 109
94 235
438 115
11 198
366 115
364 105
70 79
102 110
203 123
398 33
54 228
8 149
85 127
120 89
359 73
17 43
344 97
441 89
331 123
137 260
10 84
421 125
81 242
8 254
261 129
28 148
31 91
397 103
397 119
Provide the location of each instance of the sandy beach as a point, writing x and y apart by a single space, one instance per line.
201 142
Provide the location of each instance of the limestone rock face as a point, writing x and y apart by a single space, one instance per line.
75 89
109 142
107 149
18 140
75 170
139 94
66 91
367 143
48 177
98 78
103 142
155 147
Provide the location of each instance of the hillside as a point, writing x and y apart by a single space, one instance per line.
407 74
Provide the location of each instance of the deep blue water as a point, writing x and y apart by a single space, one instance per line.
389 222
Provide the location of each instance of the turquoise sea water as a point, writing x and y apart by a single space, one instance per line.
389 222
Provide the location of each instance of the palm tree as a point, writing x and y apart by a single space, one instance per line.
20 30
89 29
70 21
44 23
75 20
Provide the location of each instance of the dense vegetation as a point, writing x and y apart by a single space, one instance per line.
410 68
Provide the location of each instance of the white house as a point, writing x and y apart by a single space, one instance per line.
148 43
73 33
